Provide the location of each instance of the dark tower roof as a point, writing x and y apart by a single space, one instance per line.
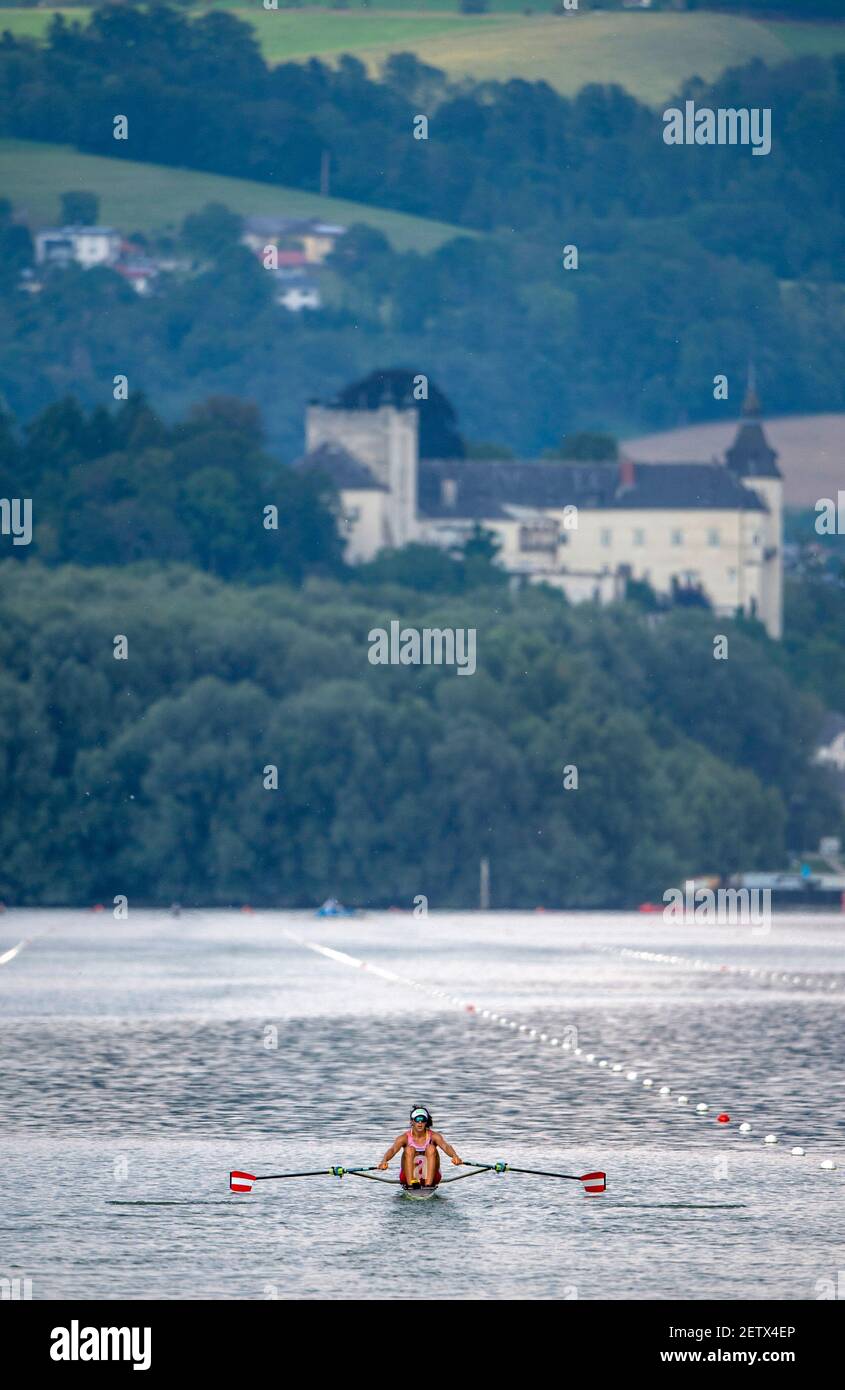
751 455
343 469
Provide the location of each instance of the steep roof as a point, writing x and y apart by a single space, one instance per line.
344 469
484 488
751 455
687 487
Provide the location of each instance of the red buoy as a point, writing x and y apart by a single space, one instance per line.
723 1119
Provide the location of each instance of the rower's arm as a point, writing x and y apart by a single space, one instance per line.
446 1147
398 1143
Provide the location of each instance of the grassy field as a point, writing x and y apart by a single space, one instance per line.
150 197
650 54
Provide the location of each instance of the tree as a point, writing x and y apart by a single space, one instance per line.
212 230
587 446
80 209
439 436
479 560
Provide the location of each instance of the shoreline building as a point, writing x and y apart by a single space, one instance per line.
585 528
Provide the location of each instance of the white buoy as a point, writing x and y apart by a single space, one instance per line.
701 1107
648 1082
617 1066
554 1042
544 1037
827 1163
798 1151
770 1139
602 1063
665 1090
630 1076
683 1100
591 1056
745 1128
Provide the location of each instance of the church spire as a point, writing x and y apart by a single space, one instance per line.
750 455
751 409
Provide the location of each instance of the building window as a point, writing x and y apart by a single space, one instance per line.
639 536
713 538
353 514
677 537
538 537
605 536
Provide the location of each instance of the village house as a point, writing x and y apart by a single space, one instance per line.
87 246
313 239
585 528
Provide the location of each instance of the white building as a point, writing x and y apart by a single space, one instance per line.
88 246
586 528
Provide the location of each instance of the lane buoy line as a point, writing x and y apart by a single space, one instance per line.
618 1069
817 980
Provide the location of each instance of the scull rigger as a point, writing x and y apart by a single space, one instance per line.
594 1183
242 1182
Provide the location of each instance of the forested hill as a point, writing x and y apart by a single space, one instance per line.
197 93
146 776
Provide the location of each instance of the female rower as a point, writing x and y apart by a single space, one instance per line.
420 1160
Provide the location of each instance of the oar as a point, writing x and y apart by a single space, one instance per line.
242 1182
594 1183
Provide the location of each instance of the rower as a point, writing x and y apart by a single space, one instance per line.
420 1159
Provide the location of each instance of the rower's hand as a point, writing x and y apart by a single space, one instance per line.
457 1161
383 1164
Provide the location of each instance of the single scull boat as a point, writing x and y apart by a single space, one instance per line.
593 1183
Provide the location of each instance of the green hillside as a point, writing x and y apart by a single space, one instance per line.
151 197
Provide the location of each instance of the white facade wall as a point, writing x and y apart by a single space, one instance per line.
363 523
386 440
723 551
771 575
734 556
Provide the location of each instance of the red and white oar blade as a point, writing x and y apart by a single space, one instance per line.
594 1183
241 1182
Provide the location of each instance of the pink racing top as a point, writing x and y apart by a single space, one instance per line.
414 1143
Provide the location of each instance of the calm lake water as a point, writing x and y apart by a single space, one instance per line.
143 1059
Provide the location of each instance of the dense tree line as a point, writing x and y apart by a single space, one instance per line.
113 487
690 260
198 94
146 776
527 352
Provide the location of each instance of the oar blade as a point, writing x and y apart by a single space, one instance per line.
594 1183
241 1182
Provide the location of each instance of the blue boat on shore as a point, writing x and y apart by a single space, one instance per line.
332 908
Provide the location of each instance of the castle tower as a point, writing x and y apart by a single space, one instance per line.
386 440
754 463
